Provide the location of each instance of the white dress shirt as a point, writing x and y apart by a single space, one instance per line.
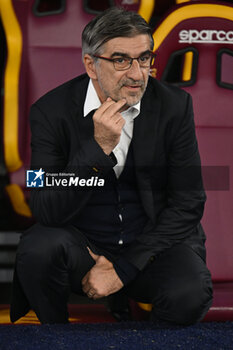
92 102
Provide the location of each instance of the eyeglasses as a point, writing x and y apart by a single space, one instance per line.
125 62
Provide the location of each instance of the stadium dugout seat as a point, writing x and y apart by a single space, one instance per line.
44 50
194 46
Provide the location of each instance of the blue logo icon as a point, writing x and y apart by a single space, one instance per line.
35 178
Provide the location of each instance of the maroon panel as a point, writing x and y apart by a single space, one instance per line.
222 308
89 313
58 65
58 30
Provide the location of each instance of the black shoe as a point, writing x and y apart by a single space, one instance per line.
118 306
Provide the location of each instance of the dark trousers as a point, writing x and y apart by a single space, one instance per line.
51 263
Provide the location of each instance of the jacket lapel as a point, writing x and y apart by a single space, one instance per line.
144 145
85 124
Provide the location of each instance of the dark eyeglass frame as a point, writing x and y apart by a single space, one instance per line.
130 60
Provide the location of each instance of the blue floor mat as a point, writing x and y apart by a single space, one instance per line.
117 336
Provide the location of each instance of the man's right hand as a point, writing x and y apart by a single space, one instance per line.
108 124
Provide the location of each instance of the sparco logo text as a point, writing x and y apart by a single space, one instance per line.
206 36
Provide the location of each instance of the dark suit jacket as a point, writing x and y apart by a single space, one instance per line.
167 168
166 158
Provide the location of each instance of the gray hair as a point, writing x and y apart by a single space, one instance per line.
112 23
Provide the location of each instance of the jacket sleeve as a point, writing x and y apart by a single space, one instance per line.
179 219
56 207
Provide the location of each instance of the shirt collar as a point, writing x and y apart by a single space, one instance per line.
132 112
92 102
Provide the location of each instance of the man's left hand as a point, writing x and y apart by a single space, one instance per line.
102 280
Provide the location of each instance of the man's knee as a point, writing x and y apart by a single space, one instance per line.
41 246
186 305
192 305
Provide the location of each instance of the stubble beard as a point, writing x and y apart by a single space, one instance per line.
132 98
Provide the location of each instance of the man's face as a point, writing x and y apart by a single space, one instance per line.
129 84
